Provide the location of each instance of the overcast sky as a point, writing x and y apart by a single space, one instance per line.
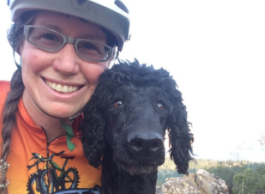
215 50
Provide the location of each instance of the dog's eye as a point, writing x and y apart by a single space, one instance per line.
118 104
160 106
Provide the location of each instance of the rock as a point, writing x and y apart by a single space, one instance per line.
202 182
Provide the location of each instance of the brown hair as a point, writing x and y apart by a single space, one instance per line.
16 38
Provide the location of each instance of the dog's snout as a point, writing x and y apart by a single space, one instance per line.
145 144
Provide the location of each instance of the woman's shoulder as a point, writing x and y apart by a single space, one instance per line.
4 89
4 85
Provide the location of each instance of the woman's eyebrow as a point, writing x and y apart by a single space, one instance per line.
53 27
91 37
83 36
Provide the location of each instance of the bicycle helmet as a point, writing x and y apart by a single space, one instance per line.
112 16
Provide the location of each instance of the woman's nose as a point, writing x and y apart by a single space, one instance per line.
67 60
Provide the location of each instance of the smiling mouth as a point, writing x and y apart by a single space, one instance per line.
62 88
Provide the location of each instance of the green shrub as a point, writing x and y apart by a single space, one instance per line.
163 174
250 181
226 170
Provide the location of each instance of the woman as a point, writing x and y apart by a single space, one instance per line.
64 45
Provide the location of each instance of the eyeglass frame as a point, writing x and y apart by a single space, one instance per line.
66 39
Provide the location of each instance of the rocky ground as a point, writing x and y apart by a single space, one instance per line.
201 182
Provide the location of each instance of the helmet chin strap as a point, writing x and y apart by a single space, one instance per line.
70 118
68 128
14 47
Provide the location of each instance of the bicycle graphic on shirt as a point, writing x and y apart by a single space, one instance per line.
45 181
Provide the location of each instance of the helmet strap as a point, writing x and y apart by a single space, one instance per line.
14 47
69 134
68 128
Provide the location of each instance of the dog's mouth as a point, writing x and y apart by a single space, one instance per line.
134 169
139 167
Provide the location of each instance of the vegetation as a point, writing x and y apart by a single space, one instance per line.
250 181
241 177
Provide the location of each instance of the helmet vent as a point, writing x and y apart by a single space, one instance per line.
121 5
80 2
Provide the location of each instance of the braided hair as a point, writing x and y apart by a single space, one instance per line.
15 38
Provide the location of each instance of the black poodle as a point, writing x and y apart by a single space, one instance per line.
124 126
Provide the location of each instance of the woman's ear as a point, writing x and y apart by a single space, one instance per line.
20 47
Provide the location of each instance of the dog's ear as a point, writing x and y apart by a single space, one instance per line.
179 134
92 132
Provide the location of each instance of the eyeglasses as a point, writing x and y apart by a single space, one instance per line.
52 41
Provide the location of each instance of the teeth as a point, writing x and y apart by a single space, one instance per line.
61 88
65 89
53 86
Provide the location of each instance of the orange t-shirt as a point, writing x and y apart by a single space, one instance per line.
39 167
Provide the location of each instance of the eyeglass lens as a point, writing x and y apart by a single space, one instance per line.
53 41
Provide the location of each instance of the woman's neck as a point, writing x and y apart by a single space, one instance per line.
52 126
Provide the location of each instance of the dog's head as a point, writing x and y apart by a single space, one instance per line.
128 115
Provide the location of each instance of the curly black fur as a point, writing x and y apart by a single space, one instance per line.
125 122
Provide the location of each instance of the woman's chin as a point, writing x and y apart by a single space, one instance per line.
62 113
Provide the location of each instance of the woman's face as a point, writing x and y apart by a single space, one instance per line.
45 73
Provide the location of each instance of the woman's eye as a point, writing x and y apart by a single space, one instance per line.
87 45
44 38
91 48
118 104
160 106
50 37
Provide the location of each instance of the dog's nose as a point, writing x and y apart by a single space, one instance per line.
145 144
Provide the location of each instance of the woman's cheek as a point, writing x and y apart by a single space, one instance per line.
92 74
